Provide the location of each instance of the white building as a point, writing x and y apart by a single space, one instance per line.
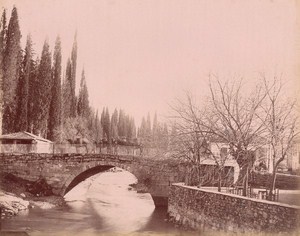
291 162
24 142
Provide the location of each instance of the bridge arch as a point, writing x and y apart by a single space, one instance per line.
78 177
74 180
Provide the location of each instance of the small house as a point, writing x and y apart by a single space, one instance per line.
24 142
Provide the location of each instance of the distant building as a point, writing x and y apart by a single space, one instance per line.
24 142
293 157
263 155
290 163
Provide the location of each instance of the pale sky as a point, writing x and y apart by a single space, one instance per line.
139 55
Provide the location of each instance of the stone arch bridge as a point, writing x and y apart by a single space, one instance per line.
64 171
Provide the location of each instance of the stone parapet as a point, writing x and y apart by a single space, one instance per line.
202 209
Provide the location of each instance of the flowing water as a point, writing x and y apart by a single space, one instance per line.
104 203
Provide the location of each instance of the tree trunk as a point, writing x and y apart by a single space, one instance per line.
271 194
245 182
220 181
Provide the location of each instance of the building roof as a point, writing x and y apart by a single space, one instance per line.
23 136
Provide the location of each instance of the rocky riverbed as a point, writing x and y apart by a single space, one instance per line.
10 204
18 195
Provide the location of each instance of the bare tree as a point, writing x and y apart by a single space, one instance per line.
228 116
281 125
243 122
234 119
191 141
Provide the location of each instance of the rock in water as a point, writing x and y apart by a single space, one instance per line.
11 205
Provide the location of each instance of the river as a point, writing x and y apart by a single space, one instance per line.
104 203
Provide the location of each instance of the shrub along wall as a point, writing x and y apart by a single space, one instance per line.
204 209
283 181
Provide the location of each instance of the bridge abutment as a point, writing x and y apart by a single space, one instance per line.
160 201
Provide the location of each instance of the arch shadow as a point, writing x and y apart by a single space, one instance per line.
86 174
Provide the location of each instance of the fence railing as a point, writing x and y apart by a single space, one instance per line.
71 148
96 149
19 148
114 149
258 193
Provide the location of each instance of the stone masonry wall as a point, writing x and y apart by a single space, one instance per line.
204 209
60 170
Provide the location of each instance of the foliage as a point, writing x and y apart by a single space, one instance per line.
3 32
75 127
43 87
11 64
98 131
55 112
32 95
83 107
121 124
67 92
36 100
73 77
157 137
114 125
23 88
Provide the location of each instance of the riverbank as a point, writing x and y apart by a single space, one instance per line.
10 204
17 195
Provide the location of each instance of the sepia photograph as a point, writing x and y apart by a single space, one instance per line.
149 117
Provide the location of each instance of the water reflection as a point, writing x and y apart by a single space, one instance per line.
120 209
102 203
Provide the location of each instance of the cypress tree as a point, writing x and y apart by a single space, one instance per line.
44 88
133 128
165 136
155 129
106 127
142 131
128 129
67 97
3 32
98 129
102 117
83 106
3 38
114 125
23 88
121 124
148 132
32 95
55 105
91 122
73 77
11 60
